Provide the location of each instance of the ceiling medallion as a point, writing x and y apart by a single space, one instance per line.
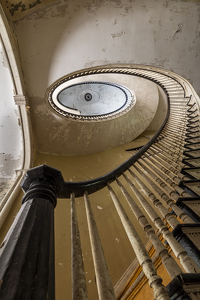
88 97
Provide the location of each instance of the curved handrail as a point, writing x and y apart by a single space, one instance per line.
93 185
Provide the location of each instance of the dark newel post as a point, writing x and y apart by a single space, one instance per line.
27 252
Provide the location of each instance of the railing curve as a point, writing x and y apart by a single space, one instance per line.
166 170
91 186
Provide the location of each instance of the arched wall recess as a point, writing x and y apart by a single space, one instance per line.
20 99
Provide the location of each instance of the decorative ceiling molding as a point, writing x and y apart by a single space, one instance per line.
98 106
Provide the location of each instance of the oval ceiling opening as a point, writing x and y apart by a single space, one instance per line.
98 133
93 98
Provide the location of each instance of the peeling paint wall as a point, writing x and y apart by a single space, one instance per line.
69 35
66 35
11 145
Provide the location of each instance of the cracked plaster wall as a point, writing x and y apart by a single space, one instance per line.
68 137
11 147
70 35
66 36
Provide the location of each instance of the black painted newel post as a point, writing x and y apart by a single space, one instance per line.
27 252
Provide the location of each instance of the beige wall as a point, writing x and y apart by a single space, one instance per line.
59 135
118 251
66 36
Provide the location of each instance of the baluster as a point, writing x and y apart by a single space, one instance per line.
171 126
155 281
171 137
171 172
175 102
79 286
176 148
175 114
173 152
171 266
188 264
175 162
173 155
166 160
174 123
167 179
165 157
178 110
178 122
104 284
172 131
161 183
180 118
164 212
164 197
159 165
174 141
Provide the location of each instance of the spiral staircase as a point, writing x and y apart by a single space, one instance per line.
160 182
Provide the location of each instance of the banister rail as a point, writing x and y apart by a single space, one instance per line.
91 186
96 184
160 170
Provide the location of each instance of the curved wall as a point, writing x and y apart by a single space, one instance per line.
68 137
66 36
11 141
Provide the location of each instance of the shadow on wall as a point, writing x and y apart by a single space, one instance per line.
64 37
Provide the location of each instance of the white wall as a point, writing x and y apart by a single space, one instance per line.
11 145
70 35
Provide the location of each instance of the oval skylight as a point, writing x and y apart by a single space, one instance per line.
91 100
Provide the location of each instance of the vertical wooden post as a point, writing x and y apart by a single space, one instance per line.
169 263
104 284
79 286
27 252
155 281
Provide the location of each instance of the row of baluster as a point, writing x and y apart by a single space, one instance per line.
158 174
